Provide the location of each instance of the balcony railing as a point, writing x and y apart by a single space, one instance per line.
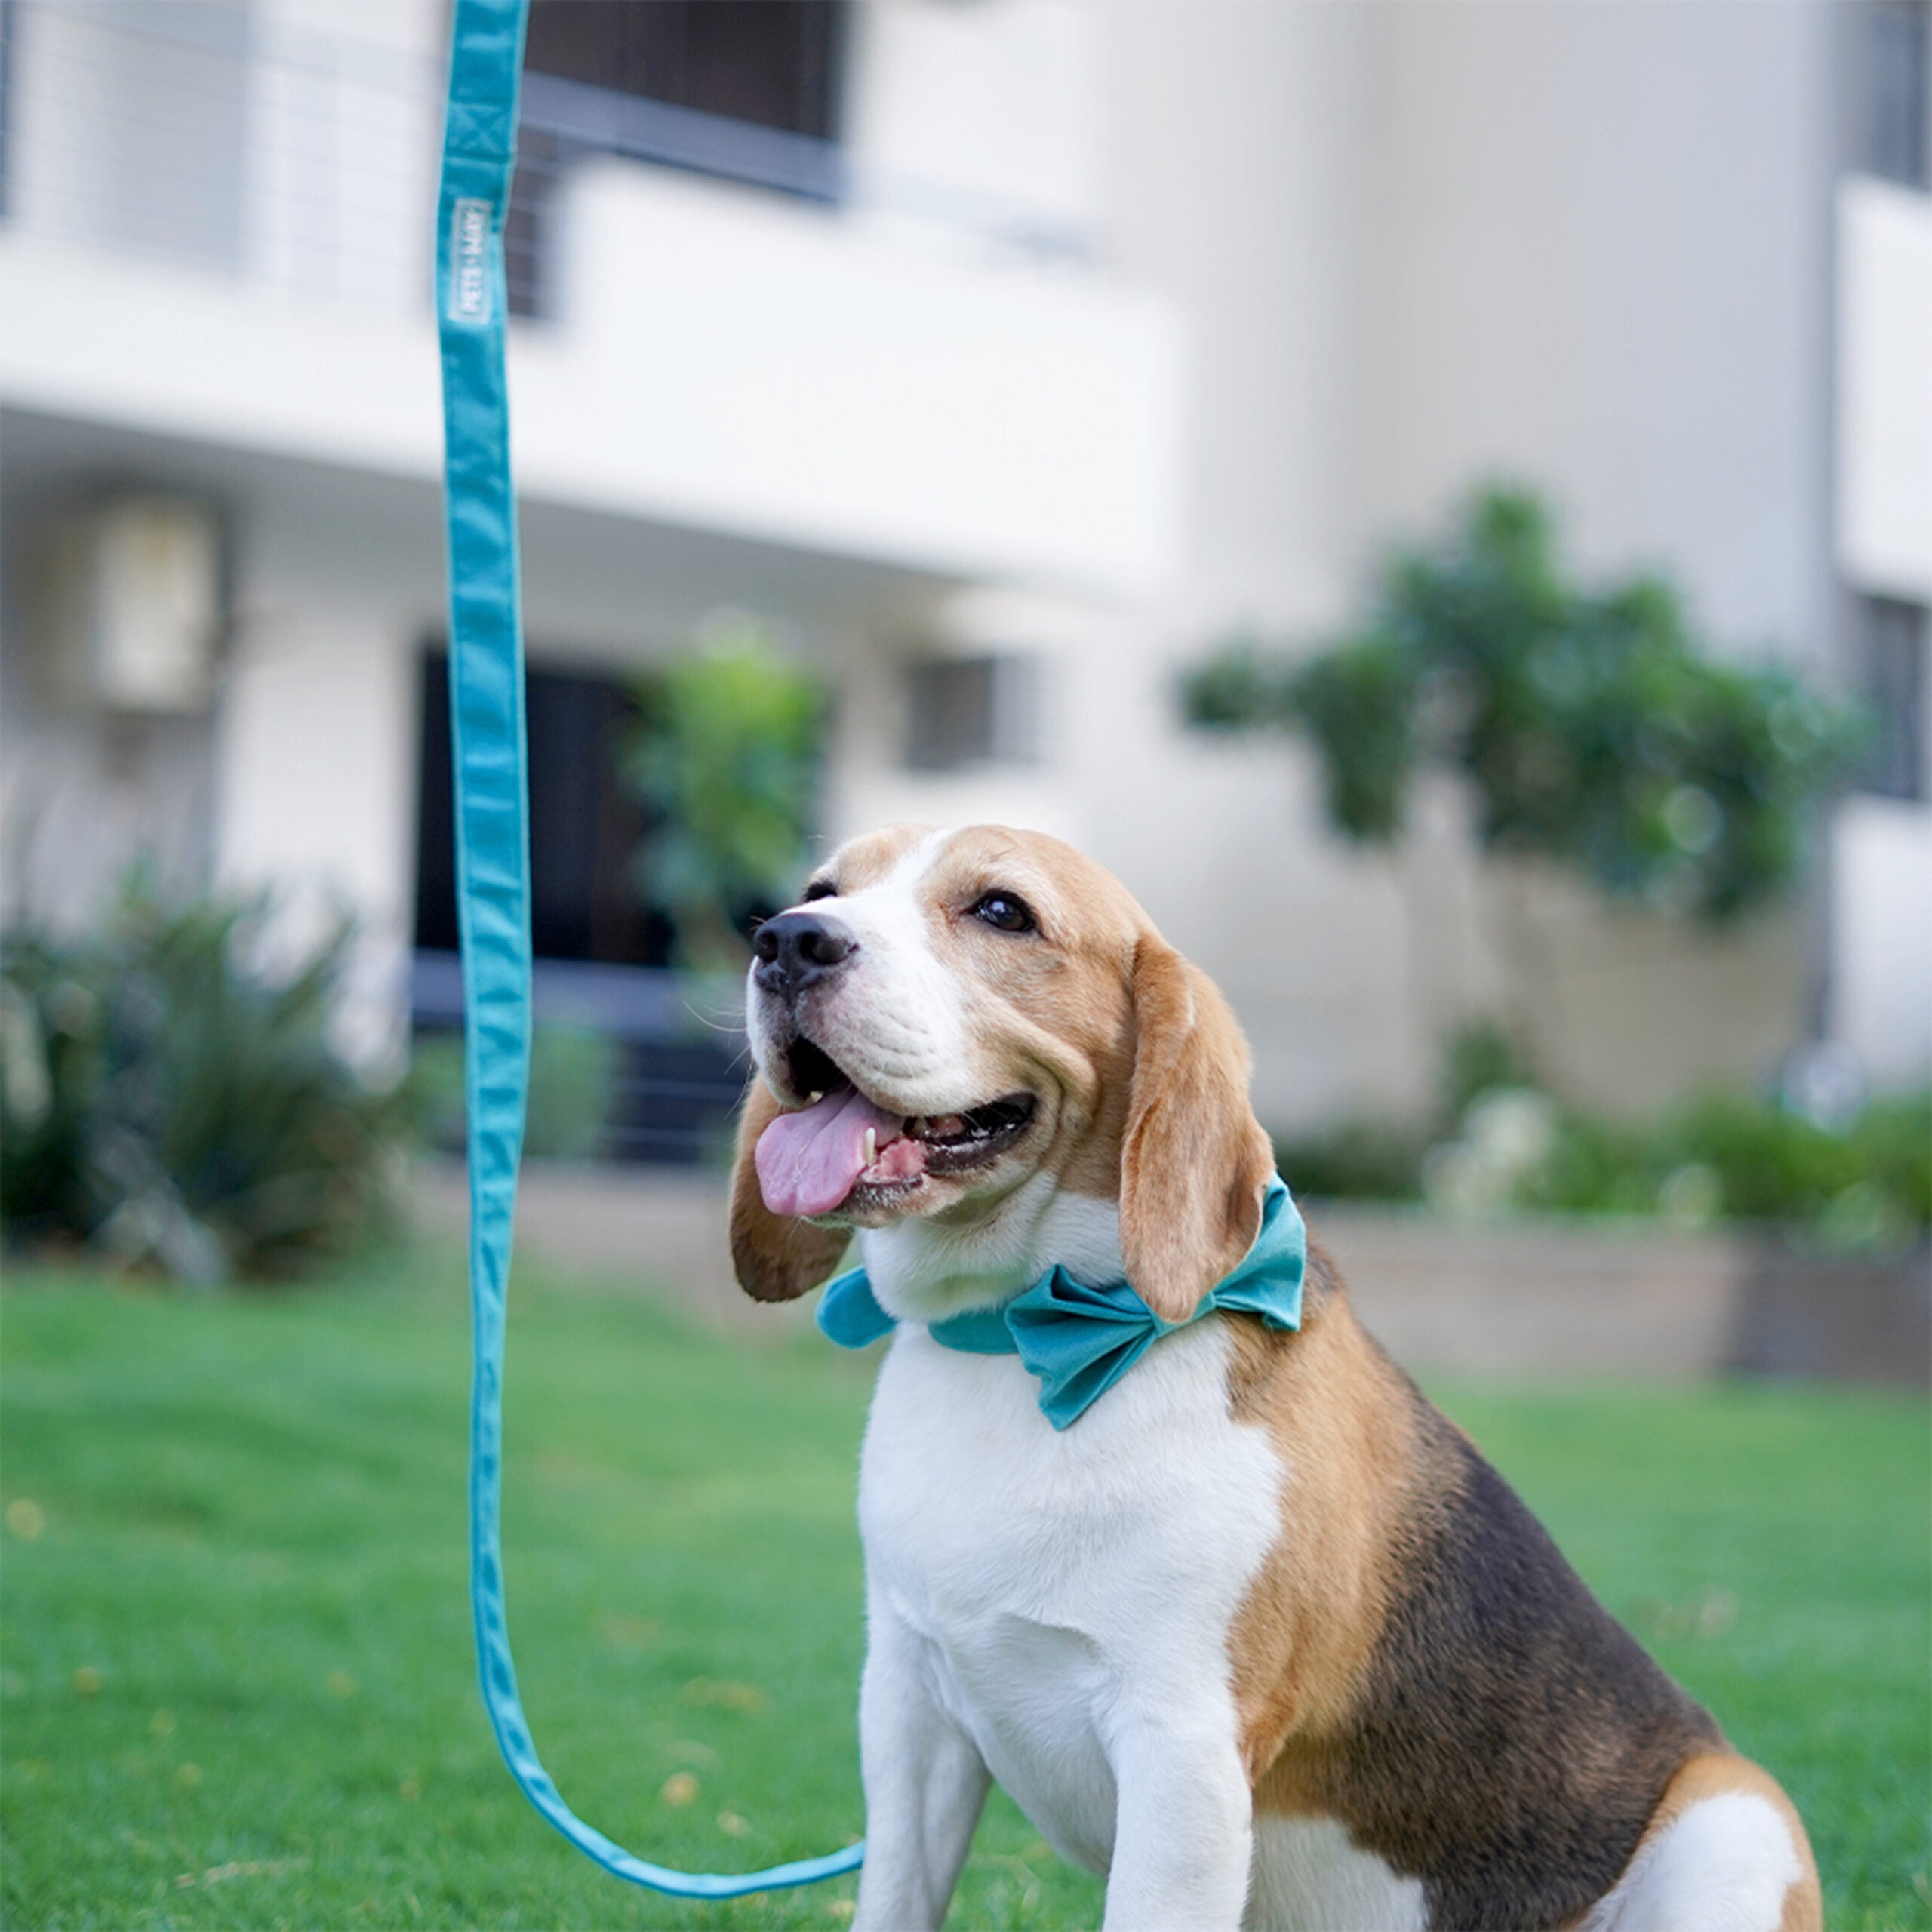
208 134
679 1074
202 133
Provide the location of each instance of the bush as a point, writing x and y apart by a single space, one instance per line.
573 1075
1477 1059
165 1103
1867 1184
724 758
1500 1142
1355 1160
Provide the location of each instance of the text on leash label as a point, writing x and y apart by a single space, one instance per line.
470 262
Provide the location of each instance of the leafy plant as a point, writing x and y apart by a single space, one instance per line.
573 1073
1477 1058
166 1102
1358 1159
723 757
1500 1142
1593 729
1866 1184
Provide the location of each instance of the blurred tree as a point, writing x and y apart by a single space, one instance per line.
724 757
1593 730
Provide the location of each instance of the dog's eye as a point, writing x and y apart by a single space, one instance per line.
820 888
1007 911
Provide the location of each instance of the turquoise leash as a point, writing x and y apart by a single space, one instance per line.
493 857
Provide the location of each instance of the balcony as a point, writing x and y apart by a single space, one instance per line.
216 230
1884 387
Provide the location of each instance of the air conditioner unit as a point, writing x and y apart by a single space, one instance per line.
133 610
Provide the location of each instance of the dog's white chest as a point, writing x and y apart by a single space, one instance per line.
1069 1589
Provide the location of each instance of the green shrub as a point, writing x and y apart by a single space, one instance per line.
724 758
163 1101
1595 1166
1499 1143
1358 1159
1866 1184
1477 1059
573 1076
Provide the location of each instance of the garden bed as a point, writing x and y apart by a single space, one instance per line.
1529 1296
1545 1294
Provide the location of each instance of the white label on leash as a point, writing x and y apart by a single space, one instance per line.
470 263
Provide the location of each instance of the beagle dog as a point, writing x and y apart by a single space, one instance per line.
1260 1637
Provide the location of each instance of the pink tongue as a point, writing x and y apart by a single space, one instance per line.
807 1161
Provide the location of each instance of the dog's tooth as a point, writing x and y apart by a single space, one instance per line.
813 1099
871 1145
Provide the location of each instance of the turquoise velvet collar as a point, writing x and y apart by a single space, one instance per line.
1080 1341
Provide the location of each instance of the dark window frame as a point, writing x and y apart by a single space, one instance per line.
563 117
584 833
8 80
1895 130
677 1082
776 64
1894 644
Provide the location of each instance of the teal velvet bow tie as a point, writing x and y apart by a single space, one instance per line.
1080 1341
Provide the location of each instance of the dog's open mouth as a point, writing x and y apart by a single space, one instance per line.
813 1161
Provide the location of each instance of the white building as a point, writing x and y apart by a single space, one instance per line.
1056 336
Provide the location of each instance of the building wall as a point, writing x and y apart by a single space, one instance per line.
732 361
1234 181
1884 371
1585 246
996 106
1882 989
1147 322
81 801
1601 260
315 727
1881 999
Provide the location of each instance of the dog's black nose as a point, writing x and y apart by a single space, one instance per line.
797 948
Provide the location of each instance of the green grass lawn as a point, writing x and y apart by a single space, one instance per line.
235 1680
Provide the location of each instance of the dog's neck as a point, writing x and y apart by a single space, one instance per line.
925 1271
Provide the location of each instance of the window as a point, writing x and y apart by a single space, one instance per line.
744 90
961 711
584 831
1897 90
1893 646
8 108
674 1087
771 63
125 123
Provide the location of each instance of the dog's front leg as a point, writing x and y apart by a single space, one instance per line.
1183 1832
925 1783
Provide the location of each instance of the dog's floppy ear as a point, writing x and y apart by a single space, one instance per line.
1193 1161
778 1256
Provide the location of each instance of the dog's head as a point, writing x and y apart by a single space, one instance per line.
947 1017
